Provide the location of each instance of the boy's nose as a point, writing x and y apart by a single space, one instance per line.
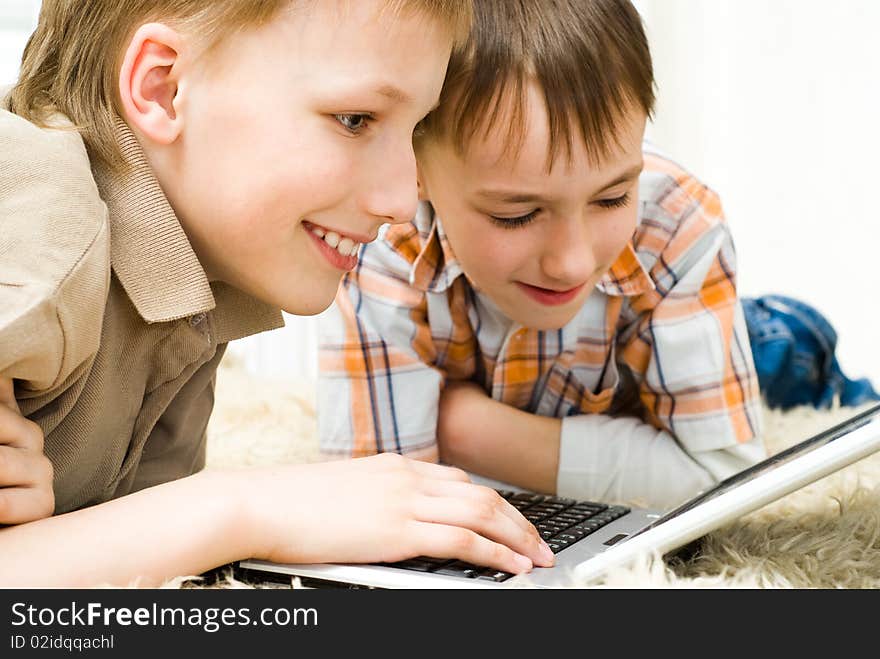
392 190
568 257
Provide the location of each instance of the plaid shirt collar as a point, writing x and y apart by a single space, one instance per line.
436 267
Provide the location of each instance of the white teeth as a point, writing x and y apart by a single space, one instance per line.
344 246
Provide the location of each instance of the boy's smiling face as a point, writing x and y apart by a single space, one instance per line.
289 132
536 242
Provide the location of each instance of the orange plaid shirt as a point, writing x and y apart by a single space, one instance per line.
662 337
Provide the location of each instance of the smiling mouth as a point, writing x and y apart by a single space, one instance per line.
549 296
343 244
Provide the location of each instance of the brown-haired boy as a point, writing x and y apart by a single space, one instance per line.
172 173
561 314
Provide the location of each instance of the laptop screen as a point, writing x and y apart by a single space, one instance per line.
771 463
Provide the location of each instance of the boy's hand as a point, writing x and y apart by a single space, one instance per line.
26 492
385 508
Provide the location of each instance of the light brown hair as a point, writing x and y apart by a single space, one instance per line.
71 62
589 57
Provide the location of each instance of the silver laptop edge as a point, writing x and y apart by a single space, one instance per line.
745 498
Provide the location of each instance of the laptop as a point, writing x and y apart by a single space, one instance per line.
589 538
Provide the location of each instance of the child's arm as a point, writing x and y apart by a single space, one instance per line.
591 457
25 472
384 508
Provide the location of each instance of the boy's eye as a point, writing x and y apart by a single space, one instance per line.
354 123
617 202
514 222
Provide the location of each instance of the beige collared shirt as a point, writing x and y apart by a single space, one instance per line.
108 324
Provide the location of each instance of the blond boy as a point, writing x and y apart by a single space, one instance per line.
171 175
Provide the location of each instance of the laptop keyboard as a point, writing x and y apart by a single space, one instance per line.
561 522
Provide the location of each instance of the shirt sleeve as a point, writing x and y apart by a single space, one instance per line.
602 458
54 255
687 346
377 389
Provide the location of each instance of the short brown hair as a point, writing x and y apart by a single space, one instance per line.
590 58
71 62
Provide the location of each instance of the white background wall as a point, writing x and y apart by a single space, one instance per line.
774 104
17 20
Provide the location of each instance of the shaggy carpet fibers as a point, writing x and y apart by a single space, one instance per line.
826 535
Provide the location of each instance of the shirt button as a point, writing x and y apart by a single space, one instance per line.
197 320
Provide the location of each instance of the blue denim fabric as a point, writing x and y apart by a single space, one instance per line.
793 347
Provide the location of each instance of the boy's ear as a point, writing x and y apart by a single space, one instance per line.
149 83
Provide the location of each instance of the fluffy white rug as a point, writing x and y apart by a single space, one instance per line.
826 535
